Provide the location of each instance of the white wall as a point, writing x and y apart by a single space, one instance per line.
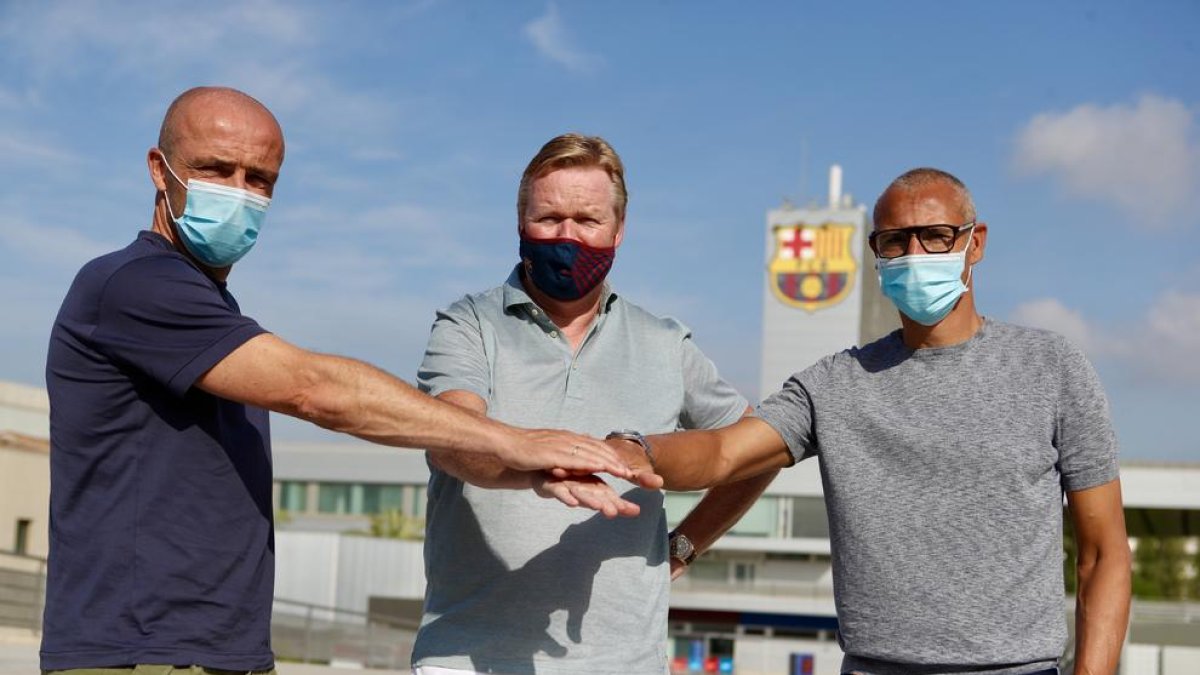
24 409
1142 659
332 570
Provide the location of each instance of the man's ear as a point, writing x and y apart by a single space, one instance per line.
978 243
158 172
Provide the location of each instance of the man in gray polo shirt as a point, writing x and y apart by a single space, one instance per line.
515 586
945 449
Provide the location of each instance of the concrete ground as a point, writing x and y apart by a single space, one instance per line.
19 656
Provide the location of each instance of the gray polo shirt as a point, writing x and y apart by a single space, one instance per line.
520 584
944 472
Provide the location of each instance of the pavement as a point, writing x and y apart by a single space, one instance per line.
19 656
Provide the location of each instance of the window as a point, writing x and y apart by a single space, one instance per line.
364 500
293 496
333 498
419 501
21 540
743 573
762 520
808 518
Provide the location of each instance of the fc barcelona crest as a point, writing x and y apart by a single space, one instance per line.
812 267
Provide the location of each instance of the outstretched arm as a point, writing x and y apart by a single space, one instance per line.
695 460
356 398
487 471
1102 599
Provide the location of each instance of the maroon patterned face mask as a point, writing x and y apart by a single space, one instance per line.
565 269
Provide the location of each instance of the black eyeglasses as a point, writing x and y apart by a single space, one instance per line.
933 238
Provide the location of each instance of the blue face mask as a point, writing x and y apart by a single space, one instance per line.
219 224
924 287
565 269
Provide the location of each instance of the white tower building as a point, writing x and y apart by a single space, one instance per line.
821 293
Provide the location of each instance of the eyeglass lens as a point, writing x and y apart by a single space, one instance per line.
933 238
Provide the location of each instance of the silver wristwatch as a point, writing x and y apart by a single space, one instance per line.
681 548
636 437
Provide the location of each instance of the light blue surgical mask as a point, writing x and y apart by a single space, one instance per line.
925 287
219 224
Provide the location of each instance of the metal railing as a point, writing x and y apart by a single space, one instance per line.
22 590
1165 611
314 634
794 589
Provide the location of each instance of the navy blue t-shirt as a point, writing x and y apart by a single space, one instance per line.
161 537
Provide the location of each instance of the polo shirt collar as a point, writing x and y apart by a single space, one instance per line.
515 295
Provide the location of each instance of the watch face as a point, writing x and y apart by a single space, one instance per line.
681 547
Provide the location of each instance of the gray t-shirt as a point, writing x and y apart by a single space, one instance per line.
519 584
944 472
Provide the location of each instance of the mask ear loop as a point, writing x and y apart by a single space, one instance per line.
966 251
170 210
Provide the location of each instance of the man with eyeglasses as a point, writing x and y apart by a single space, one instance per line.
945 449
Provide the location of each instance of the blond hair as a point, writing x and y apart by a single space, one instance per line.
570 151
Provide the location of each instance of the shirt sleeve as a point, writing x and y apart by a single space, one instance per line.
168 321
455 356
709 402
790 412
1084 437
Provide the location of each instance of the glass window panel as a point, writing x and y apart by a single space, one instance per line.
391 498
333 498
808 518
368 503
760 521
293 496
677 505
420 497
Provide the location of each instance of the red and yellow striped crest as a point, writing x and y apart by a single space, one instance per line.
813 266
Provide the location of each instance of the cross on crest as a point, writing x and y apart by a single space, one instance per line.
813 266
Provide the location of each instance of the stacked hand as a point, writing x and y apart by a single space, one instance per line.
568 463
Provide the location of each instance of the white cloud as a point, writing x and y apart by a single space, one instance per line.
61 247
1050 314
57 37
23 151
17 100
266 48
1160 346
551 38
1144 158
1173 341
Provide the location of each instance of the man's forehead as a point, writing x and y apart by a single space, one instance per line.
934 202
221 135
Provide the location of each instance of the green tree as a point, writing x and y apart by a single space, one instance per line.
1160 566
1194 582
1147 572
1175 562
392 524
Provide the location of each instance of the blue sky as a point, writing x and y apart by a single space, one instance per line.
408 124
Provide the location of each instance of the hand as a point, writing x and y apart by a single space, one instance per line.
678 569
540 449
634 456
588 491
